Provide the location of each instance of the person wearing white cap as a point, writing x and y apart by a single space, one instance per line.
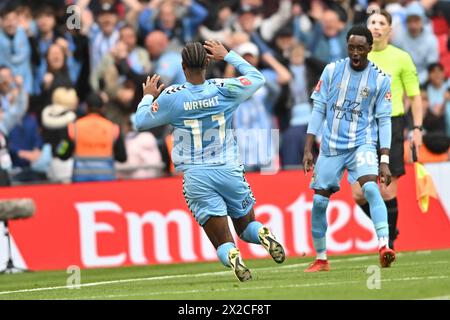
247 48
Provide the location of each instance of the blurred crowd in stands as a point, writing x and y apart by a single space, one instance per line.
56 57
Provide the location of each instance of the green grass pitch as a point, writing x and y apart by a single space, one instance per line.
415 275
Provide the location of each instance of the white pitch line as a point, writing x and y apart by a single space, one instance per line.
216 273
225 289
100 283
424 252
179 276
290 286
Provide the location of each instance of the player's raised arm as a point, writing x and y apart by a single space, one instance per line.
383 110
243 87
148 113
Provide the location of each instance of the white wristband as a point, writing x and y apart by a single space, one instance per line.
149 96
384 158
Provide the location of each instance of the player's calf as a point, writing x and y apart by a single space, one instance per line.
379 217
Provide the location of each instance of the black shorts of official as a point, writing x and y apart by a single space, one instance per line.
396 156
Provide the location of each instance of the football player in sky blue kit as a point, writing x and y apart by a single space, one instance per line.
353 97
205 148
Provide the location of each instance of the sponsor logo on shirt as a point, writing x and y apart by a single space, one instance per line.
347 111
245 81
155 106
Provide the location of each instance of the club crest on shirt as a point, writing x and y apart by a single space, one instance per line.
365 91
155 106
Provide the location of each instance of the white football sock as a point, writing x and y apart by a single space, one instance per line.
321 255
383 241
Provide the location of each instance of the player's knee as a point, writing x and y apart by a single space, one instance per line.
320 203
370 190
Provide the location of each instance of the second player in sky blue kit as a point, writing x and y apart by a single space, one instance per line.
352 103
205 148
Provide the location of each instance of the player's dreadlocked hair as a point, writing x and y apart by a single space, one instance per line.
361 30
194 56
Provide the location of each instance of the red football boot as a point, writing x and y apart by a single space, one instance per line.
387 256
318 265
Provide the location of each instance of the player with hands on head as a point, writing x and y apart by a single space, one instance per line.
205 149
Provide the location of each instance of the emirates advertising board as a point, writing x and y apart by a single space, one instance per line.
144 222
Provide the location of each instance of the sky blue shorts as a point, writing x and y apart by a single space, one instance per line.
217 192
359 162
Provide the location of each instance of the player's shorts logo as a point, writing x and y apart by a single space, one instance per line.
245 81
247 201
155 106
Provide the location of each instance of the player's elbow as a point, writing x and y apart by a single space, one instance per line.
139 127
256 77
139 123
261 79
319 107
384 121
142 127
